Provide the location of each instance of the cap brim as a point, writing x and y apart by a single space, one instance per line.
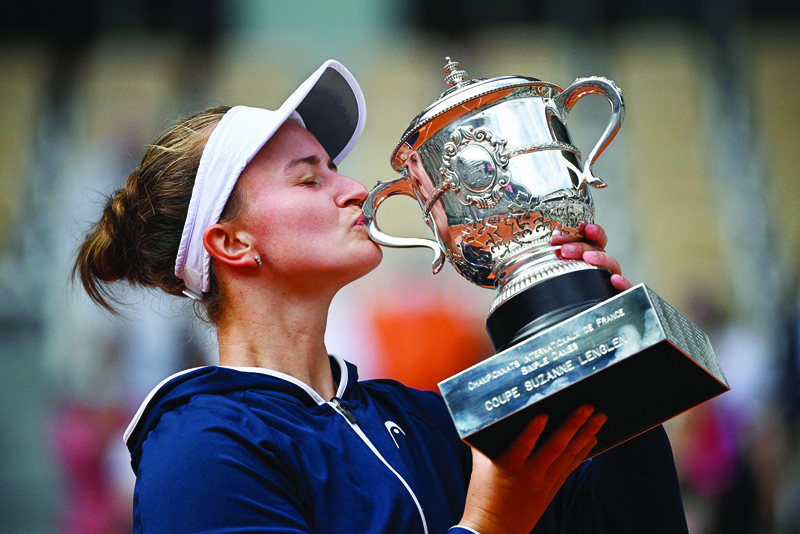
332 107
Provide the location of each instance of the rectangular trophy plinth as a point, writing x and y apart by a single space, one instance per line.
633 357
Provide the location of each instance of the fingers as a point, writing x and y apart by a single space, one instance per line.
571 436
561 438
590 254
595 233
573 454
591 232
567 443
576 461
587 434
521 448
493 504
590 249
602 259
620 282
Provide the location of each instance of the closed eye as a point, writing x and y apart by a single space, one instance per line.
312 160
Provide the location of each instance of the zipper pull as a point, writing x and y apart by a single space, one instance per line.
342 408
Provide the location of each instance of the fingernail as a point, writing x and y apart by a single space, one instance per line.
600 419
586 410
569 249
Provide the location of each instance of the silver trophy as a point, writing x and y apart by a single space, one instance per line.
496 173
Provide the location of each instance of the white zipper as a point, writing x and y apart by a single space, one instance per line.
345 412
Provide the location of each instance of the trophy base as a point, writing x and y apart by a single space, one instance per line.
547 303
632 357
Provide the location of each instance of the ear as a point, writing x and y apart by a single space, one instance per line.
229 245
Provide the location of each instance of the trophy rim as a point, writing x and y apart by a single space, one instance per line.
461 97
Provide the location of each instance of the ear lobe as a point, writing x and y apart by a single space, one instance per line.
229 246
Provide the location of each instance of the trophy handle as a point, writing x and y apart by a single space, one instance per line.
594 85
382 191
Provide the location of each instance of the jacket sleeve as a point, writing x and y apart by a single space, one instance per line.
201 473
631 488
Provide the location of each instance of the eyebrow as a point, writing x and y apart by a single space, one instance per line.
312 160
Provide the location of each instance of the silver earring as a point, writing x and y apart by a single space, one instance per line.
258 261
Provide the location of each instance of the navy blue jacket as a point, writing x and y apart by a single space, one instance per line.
223 450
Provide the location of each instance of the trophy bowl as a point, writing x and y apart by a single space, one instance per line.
495 172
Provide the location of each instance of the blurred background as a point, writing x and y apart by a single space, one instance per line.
701 205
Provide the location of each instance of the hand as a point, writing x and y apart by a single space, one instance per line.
510 494
591 249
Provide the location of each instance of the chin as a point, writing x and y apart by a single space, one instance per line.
369 262
373 260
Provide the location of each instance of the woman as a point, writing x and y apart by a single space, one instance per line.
243 209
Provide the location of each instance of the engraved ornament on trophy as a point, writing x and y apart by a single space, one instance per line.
495 172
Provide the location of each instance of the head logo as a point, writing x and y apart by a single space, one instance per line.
394 430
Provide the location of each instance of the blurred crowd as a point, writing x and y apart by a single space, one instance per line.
738 456
75 121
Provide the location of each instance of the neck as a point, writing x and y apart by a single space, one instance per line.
278 330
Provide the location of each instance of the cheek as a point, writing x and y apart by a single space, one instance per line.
308 225
288 230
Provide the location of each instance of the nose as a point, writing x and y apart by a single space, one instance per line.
352 192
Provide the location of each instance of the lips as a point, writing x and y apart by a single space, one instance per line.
360 221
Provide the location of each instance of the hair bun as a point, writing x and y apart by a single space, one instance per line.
138 234
120 221
115 249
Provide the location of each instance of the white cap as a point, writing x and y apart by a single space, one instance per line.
329 104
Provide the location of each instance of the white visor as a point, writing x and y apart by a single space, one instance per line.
329 104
